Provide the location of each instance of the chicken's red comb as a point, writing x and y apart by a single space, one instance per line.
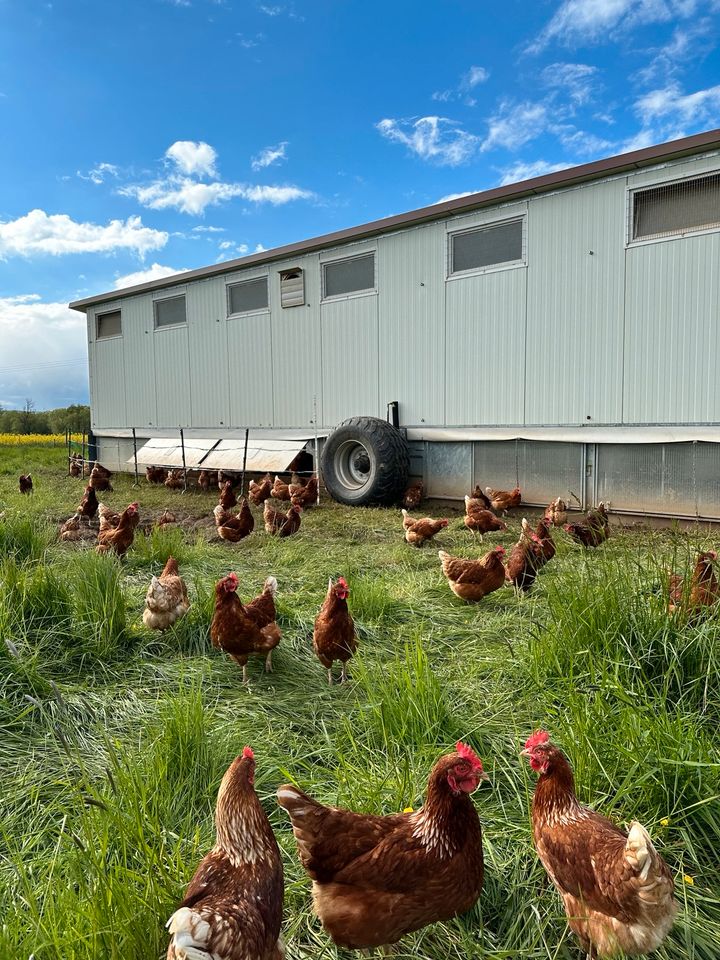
540 736
341 582
248 754
467 753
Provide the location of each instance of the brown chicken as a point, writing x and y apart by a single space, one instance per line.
100 478
205 480
75 465
479 519
109 519
156 474
376 879
304 496
334 634
166 519
700 593
524 561
280 490
283 524
419 531
175 480
556 512
616 888
224 477
71 529
472 580
119 538
593 530
227 499
234 527
233 907
542 532
478 494
88 506
504 500
244 630
167 598
25 483
412 498
260 490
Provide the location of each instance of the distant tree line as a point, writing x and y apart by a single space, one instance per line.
75 418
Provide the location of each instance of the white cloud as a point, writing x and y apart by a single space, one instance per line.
193 197
193 158
581 142
155 272
44 353
456 196
42 233
670 103
473 77
270 10
526 171
203 229
576 78
588 21
99 173
515 124
432 138
269 155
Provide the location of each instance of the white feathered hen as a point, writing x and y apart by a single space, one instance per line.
167 599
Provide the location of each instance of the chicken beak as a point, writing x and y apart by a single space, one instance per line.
483 776
525 752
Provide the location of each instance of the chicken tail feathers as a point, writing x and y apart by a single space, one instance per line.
639 850
271 586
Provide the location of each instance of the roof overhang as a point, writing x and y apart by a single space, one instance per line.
624 162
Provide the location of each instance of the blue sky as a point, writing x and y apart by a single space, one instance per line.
150 136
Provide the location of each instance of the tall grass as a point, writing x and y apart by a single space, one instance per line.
115 739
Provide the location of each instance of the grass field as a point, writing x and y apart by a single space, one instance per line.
114 740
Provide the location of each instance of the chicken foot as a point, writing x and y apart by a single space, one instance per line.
268 662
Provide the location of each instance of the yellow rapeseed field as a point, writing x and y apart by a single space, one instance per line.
36 439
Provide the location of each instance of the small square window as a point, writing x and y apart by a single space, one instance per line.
170 312
109 325
354 275
247 295
490 246
292 288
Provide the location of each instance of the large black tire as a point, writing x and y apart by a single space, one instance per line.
365 461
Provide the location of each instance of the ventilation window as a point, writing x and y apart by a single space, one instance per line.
676 208
292 288
491 246
248 295
356 275
170 312
109 325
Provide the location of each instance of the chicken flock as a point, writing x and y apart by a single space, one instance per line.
377 878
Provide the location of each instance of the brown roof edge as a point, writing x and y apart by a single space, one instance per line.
674 149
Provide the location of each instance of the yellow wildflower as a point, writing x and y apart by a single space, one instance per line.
665 822
408 810
688 880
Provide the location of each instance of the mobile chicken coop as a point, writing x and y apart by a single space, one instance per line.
562 333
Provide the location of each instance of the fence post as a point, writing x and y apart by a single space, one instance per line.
137 482
242 484
182 445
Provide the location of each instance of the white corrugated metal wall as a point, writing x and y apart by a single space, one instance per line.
589 327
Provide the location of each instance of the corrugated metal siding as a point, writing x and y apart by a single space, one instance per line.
349 335
673 478
172 376
542 470
575 306
672 339
296 349
411 284
209 359
139 351
109 384
485 364
249 362
448 469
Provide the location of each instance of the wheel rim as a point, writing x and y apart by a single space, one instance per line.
352 464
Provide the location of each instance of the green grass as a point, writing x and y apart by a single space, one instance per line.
115 740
